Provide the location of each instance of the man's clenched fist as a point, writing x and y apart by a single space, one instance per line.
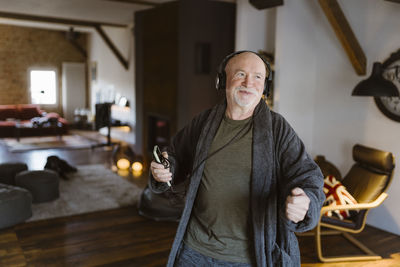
297 205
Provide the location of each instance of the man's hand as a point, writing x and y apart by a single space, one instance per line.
158 171
297 205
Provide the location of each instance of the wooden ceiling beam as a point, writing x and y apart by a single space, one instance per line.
345 34
113 48
46 19
136 2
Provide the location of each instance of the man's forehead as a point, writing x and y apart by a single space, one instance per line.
246 59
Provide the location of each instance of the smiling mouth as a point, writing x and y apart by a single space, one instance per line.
245 92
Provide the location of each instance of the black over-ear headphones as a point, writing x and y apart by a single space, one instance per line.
220 81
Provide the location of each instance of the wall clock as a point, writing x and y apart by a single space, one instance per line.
390 106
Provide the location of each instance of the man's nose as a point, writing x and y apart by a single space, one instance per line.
248 81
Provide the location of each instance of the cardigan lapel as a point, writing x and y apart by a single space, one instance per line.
262 175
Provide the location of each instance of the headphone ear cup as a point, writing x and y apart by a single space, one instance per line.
217 82
220 81
268 82
266 88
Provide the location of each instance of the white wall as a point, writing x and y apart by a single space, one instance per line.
295 67
111 74
255 29
340 120
314 80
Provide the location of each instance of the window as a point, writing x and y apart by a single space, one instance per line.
43 86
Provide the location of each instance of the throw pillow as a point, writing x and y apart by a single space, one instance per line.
8 112
27 112
336 194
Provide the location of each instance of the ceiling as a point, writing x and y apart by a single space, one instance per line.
102 11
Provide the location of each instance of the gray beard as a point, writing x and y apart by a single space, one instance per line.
237 99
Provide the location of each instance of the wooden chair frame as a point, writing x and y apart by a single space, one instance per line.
369 254
332 229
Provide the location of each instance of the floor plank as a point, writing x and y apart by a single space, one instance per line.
119 236
11 253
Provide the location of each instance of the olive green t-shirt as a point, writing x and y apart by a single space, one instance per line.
219 226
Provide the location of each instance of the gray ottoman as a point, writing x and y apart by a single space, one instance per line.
9 170
15 205
43 185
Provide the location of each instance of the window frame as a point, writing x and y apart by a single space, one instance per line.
57 89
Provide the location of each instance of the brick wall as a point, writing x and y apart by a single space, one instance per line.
24 47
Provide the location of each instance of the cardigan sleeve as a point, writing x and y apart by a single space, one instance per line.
297 169
181 153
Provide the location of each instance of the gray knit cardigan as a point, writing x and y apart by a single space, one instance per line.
280 163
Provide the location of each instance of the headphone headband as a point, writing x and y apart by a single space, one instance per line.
220 81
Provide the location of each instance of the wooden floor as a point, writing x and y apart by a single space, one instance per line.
121 237
383 243
115 238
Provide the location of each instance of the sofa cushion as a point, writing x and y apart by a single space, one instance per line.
8 112
7 124
63 121
7 128
52 115
22 106
27 112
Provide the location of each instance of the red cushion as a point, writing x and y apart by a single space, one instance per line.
336 194
8 112
21 106
51 115
8 106
63 121
27 112
7 124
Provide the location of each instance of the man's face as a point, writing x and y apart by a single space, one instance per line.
245 77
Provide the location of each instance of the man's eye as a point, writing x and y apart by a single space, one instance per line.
259 76
240 74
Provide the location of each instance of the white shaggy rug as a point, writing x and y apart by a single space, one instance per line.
48 142
91 188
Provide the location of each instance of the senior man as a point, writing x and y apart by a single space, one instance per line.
251 182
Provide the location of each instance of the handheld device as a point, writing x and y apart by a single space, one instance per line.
159 158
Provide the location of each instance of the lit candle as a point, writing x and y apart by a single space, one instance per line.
123 164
